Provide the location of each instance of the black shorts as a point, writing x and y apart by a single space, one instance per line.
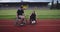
32 19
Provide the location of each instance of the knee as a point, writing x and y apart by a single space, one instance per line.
23 17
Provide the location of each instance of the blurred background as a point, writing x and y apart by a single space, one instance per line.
43 8
47 13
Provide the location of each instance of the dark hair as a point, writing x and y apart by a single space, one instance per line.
21 7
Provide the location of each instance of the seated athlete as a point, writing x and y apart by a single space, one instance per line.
20 15
33 18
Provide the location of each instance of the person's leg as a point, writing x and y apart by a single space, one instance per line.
16 21
22 20
32 20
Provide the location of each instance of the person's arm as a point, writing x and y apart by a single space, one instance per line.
17 14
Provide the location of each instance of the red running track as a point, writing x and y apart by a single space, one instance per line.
43 25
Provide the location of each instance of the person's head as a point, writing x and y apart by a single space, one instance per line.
21 6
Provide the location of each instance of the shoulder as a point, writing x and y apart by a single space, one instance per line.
19 8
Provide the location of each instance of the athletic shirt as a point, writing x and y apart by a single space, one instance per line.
33 16
20 12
